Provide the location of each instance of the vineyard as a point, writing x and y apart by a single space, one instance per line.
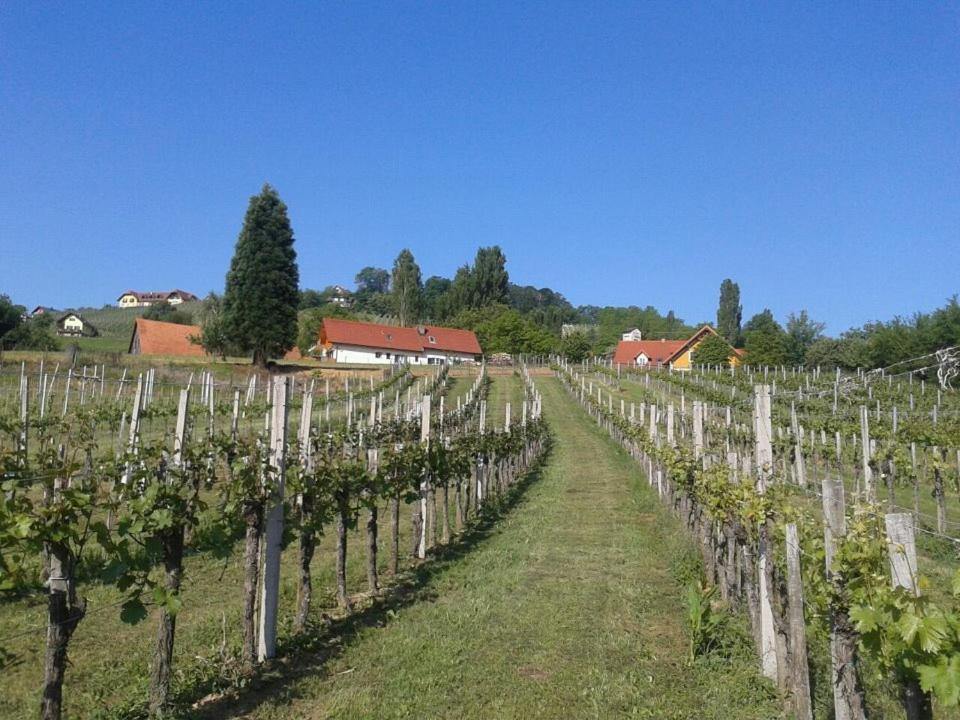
193 545
203 505
826 507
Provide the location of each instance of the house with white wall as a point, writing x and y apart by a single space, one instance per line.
348 341
137 299
72 324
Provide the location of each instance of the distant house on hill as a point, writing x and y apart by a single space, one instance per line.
135 299
73 324
632 335
153 337
341 296
42 310
676 354
347 341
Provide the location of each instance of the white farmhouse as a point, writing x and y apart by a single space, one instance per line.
347 341
72 324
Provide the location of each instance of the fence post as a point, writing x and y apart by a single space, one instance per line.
424 439
697 429
273 524
902 549
764 455
799 673
848 700
24 420
865 445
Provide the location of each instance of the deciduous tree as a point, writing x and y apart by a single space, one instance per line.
802 332
714 350
407 288
766 341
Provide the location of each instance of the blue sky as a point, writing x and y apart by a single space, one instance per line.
620 153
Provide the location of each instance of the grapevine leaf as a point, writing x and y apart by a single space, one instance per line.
114 571
133 611
931 633
908 625
866 618
942 679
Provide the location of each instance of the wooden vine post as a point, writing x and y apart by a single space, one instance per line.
373 461
902 550
697 429
799 672
273 524
848 701
865 453
763 432
424 483
305 507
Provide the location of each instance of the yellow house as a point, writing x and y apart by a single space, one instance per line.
685 357
676 354
135 299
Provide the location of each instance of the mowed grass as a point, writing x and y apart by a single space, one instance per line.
506 388
569 608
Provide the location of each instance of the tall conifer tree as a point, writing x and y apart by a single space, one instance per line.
730 312
262 290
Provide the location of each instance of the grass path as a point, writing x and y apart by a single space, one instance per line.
569 608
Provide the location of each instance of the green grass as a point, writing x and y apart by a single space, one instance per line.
506 388
570 608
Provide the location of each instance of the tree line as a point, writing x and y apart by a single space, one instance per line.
263 312
801 340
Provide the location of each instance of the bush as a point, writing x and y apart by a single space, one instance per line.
34 334
165 312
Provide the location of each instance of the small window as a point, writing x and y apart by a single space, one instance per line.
388 356
389 336
432 339
379 354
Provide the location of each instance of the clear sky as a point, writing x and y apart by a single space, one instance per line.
620 153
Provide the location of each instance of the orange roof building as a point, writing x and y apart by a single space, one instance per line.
349 341
153 337
676 354
646 352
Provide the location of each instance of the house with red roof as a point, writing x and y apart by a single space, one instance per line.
153 337
137 299
349 341
676 354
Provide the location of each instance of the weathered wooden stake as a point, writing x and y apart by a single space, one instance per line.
273 524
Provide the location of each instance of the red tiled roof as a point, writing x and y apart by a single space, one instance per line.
450 339
658 352
371 335
163 338
389 337
157 296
